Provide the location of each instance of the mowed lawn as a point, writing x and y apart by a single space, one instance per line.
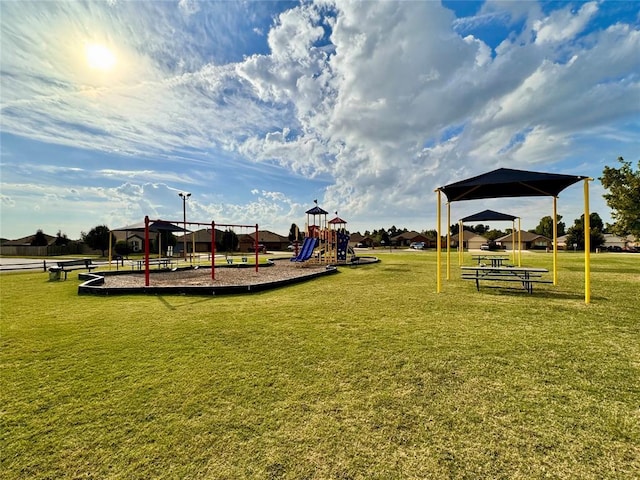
368 374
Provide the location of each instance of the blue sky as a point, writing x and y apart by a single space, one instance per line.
258 108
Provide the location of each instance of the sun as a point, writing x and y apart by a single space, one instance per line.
99 57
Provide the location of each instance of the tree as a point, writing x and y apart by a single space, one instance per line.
61 239
480 229
492 235
384 238
163 240
295 235
545 227
623 197
575 234
39 240
98 238
229 241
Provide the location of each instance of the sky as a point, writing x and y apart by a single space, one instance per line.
110 109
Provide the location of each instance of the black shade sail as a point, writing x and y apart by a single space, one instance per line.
507 182
156 226
487 216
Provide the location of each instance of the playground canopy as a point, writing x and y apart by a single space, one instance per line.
507 182
487 216
156 226
484 216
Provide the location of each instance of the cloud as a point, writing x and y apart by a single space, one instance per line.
564 24
376 102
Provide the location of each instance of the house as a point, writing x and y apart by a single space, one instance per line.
562 242
528 240
22 246
368 242
407 238
355 239
200 240
470 240
134 239
613 242
270 240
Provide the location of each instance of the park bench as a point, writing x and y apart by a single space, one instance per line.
66 266
523 275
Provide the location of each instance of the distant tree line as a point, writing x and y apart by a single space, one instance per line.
622 196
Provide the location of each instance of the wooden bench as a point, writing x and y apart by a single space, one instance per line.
524 275
66 266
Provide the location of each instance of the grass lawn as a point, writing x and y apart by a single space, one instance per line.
368 374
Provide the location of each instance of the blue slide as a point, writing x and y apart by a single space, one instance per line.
306 251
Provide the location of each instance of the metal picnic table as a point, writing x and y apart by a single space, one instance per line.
525 275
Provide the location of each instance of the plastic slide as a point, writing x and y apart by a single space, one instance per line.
306 251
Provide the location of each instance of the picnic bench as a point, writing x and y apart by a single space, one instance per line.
494 260
527 276
66 266
159 262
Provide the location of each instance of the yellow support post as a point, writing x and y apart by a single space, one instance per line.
448 240
460 244
438 244
587 244
519 244
555 240
513 241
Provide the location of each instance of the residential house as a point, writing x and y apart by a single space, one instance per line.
22 246
270 240
613 242
528 241
134 239
355 239
407 238
470 240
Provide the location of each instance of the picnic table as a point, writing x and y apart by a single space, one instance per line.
494 260
525 275
160 262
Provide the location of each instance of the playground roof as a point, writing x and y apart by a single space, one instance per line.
337 220
488 215
507 182
316 211
157 226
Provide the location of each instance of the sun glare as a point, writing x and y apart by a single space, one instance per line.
100 57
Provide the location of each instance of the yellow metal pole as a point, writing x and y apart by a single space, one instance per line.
438 244
460 243
555 240
519 244
448 240
587 244
513 240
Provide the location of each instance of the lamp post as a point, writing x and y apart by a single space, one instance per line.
184 197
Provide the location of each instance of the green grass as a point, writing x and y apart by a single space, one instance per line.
367 374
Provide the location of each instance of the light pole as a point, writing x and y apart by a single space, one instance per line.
184 197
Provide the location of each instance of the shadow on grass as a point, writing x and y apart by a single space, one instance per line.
519 292
169 306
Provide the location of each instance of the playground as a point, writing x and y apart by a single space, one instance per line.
324 246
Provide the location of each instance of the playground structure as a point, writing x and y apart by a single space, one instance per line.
171 225
326 241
